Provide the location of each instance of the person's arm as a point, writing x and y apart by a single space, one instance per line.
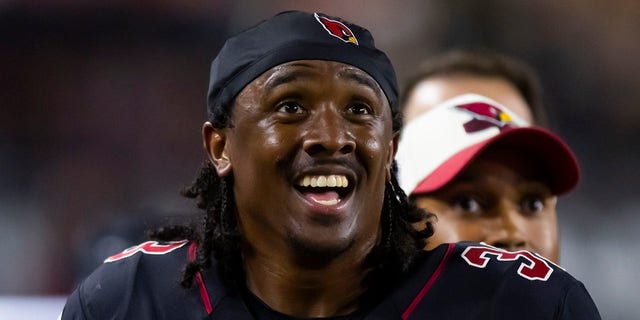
73 309
578 304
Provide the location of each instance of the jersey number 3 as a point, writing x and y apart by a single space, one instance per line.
149 247
533 268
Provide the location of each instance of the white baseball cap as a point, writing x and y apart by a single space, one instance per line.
435 146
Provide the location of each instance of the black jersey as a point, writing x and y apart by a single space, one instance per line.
454 281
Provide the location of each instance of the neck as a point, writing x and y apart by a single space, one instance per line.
286 286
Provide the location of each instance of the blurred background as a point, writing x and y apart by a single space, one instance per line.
101 105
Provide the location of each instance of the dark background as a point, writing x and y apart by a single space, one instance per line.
101 107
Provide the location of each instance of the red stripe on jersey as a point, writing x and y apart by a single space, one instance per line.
427 286
203 290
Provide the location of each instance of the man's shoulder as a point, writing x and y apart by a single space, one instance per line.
492 283
159 249
523 264
150 261
485 266
139 278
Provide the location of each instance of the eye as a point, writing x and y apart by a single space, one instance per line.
359 108
533 204
290 107
468 204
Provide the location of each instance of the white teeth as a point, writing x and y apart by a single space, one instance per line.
322 181
331 181
325 181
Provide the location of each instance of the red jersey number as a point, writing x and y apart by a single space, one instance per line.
534 268
149 247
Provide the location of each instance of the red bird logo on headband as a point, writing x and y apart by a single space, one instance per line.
337 29
484 116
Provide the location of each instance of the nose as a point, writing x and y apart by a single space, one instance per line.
507 232
328 134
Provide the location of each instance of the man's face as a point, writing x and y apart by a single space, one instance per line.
433 91
501 199
309 148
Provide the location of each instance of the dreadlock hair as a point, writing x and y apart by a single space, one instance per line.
220 238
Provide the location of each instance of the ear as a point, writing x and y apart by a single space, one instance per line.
215 143
393 148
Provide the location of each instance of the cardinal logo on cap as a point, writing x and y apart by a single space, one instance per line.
485 116
337 29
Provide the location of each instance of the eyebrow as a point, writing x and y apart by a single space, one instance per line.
279 78
362 79
285 75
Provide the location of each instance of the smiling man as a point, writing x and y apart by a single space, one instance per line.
288 147
303 216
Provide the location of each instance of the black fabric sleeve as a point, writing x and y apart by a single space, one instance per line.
578 304
73 309
105 294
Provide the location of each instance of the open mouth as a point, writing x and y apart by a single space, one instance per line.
328 190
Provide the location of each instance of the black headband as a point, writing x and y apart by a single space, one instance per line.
289 36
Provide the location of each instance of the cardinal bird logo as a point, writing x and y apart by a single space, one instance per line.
484 116
337 29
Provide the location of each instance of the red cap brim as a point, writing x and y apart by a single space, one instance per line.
556 155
